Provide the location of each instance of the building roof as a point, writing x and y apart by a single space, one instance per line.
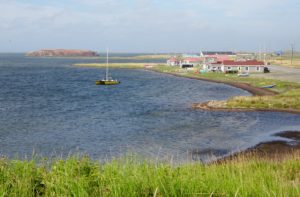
243 63
217 63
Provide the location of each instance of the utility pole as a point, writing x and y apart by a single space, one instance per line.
292 56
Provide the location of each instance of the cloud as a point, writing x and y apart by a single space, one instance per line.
147 24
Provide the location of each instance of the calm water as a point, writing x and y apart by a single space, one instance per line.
52 108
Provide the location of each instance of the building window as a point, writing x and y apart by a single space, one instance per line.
247 68
239 68
228 68
257 68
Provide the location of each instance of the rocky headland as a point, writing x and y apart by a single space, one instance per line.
62 53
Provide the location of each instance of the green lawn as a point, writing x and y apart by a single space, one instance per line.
133 177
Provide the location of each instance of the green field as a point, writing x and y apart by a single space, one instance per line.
287 60
77 176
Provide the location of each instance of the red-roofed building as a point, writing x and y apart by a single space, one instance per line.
247 66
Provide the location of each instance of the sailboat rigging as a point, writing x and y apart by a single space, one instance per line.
107 80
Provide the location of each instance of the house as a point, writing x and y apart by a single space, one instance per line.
245 66
173 61
184 62
190 62
213 66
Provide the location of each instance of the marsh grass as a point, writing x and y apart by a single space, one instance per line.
81 176
286 100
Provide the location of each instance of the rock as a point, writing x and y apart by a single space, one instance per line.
61 53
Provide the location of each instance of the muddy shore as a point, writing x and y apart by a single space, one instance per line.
275 150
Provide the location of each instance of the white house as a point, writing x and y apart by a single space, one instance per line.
173 61
185 62
246 66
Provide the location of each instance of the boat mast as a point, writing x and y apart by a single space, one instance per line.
106 74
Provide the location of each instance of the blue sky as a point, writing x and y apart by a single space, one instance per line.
149 25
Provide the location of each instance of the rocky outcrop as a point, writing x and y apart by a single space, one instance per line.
61 53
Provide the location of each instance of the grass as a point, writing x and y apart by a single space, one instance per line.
132 177
285 60
289 100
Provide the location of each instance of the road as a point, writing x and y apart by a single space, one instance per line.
281 73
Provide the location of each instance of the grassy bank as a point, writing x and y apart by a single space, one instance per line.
288 100
132 177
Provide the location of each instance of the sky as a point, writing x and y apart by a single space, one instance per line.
154 26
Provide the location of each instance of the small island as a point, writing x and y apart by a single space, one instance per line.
62 53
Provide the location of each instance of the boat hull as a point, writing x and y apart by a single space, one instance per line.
109 82
269 86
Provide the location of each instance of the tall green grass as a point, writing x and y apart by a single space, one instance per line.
132 177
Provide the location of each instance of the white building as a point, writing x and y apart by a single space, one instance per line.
247 66
184 62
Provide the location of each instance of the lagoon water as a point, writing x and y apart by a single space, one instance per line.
49 107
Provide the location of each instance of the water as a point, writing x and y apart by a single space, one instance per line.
52 108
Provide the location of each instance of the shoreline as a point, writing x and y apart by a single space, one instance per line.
255 91
207 107
244 86
274 150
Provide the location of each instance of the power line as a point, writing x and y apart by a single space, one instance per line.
292 56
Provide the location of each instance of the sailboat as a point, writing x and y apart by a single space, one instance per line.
107 80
